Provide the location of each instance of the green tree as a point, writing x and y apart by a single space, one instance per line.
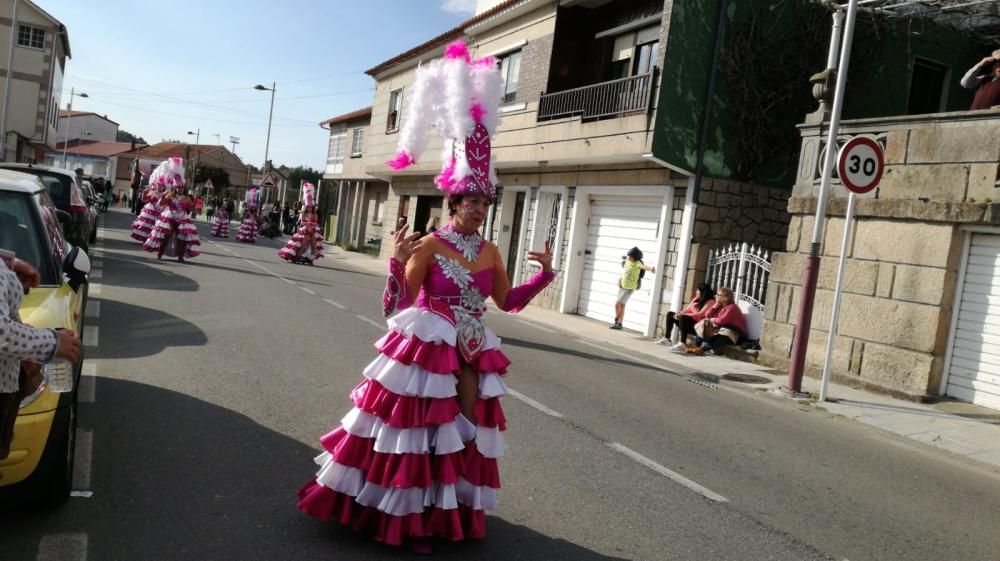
125 136
299 173
219 176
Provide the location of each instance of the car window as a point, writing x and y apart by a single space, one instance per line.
20 232
57 184
52 227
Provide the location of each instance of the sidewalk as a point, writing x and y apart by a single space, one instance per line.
959 428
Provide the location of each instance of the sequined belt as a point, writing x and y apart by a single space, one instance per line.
470 329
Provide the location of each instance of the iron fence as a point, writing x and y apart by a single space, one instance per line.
744 268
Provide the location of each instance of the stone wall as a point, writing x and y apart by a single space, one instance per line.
902 264
731 211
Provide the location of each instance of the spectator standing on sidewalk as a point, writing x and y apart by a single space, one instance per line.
633 269
22 348
984 77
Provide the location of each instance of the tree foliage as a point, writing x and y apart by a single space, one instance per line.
125 136
299 173
219 176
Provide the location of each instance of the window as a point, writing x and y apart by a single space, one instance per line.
927 87
335 152
357 142
510 67
395 108
379 209
634 53
28 36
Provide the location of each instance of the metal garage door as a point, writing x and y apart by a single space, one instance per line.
974 374
615 226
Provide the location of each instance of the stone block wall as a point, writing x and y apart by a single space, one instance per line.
731 211
899 285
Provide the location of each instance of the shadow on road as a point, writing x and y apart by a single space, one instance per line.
137 272
580 354
178 478
149 331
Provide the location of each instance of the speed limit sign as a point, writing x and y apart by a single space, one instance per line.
860 164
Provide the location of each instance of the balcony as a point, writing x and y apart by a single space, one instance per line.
617 98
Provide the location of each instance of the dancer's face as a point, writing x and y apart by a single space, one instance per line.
470 212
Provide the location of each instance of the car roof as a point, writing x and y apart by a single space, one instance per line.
13 166
19 182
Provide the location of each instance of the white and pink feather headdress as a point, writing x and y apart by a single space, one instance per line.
460 97
169 175
308 194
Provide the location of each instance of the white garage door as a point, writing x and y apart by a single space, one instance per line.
617 225
975 362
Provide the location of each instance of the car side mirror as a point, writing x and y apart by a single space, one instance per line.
76 267
63 216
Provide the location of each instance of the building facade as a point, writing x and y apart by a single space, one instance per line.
41 47
352 202
80 126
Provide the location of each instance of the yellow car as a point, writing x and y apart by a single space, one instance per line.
40 465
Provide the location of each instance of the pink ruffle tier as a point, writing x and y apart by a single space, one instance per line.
186 232
220 228
405 462
293 247
145 222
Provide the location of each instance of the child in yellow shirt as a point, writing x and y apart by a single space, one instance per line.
632 271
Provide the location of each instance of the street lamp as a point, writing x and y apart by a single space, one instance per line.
234 140
197 156
69 115
267 144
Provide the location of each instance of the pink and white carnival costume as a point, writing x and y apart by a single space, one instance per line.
220 224
146 220
405 463
248 227
306 245
174 228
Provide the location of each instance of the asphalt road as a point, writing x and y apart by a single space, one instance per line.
215 378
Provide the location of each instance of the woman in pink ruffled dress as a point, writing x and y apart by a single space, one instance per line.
174 232
146 220
306 246
416 456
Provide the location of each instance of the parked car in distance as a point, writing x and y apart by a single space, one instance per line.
69 196
40 465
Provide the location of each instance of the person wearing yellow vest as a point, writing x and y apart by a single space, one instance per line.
632 271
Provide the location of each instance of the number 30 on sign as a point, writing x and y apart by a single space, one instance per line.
860 164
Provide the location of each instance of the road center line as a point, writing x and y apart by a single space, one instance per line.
533 403
94 289
337 305
91 335
703 491
370 321
62 547
307 291
84 456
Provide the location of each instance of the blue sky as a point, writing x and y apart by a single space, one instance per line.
161 69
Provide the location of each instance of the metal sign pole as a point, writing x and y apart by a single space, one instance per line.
838 289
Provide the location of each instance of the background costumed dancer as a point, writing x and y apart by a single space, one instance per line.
416 457
248 227
306 245
146 220
220 223
175 232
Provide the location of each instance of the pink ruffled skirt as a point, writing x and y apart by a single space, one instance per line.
397 465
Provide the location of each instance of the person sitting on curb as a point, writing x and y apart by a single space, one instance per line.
633 270
723 325
701 303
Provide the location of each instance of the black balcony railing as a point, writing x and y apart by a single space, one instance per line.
617 98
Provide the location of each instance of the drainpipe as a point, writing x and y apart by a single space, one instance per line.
801 339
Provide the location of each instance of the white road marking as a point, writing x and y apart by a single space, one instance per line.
633 358
533 403
94 309
96 274
288 281
91 335
703 491
96 264
62 547
84 455
369 321
94 289
87 392
307 291
337 305
89 369
82 494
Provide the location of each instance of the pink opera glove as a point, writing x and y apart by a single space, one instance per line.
396 295
519 296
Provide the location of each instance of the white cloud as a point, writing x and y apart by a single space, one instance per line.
460 7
